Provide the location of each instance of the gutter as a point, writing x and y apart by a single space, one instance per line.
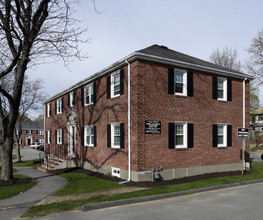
129 124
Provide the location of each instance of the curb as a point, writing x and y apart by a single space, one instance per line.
101 205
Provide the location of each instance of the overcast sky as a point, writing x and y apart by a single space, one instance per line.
193 27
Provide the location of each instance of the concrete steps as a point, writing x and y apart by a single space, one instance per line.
51 164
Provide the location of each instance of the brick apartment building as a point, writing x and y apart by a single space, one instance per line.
154 108
32 131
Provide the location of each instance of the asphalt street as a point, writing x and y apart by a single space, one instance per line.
237 203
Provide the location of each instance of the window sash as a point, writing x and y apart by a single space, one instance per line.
221 89
116 84
221 136
180 82
48 110
59 136
89 136
116 135
59 105
89 95
180 135
48 137
71 99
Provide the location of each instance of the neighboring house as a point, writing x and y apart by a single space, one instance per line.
31 132
257 120
154 108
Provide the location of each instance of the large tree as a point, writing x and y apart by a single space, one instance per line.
255 63
31 32
226 57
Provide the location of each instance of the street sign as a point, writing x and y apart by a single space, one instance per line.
243 134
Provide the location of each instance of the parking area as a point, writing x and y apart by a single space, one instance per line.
28 153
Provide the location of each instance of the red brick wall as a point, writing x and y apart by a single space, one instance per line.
150 101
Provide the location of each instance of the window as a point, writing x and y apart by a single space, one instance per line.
48 110
115 84
116 172
180 84
115 135
180 135
222 135
59 103
49 137
88 94
40 132
59 137
41 141
71 99
221 88
28 131
89 136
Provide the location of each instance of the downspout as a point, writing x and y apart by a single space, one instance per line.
129 124
244 124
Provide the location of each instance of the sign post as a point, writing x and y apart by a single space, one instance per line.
243 134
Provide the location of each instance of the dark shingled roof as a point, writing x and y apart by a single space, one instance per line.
163 51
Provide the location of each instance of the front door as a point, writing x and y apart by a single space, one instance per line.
72 138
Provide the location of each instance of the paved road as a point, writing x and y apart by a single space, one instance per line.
29 154
237 203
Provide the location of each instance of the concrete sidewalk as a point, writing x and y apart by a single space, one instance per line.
47 184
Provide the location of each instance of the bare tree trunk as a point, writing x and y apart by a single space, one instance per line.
18 154
6 159
17 137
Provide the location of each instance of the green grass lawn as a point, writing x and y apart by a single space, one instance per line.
75 188
79 183
10 191
29 163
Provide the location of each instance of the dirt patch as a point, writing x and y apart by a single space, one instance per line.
15 181
150 183
52 199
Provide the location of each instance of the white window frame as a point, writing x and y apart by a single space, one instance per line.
48 110
184 72
40 132
41 141
48 137
113 125
113 85
116 172
59 136
20 141
71 98
89 88
29 131
224 126
59 105
86 129
184 124
224 88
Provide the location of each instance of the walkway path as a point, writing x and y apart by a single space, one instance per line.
47 184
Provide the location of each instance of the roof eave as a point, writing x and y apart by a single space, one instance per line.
151 58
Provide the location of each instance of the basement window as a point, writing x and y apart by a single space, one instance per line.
116 172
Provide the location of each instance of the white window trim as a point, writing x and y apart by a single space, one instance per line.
71 97
40 132
59 136
112 135
184 72
224 87
185 134
116 172
49 137
112 84
29 131
85 94
85 136
59 105
48 110
224 137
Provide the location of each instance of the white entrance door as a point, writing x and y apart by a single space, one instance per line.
72 138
